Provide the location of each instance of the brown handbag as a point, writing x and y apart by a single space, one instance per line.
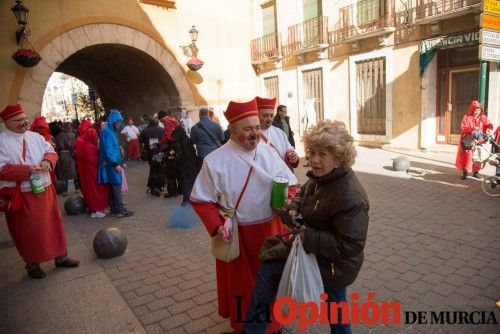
275 247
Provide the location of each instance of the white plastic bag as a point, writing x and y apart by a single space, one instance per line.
301 278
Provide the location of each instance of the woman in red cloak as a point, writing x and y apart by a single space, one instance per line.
87 158
474 123
40 126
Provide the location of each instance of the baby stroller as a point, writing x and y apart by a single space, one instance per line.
490 184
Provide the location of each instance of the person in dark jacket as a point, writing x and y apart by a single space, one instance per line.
282 121
207 135
334 207
150 138
65 148
188 166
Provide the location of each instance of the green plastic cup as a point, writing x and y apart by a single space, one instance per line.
279 192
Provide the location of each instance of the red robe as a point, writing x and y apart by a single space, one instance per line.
87 158
463 160
37 230
237 278
133 150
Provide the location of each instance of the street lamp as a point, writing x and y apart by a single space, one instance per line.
191 49
21 14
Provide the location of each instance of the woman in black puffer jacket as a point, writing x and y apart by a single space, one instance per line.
334 207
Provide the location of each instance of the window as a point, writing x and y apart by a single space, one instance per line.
272 88
370 96
369 11
311 8
313 97
269 18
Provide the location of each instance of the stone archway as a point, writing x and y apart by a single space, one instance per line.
94 37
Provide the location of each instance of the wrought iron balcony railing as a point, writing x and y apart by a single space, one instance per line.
265 48
428 10
365 17
308 35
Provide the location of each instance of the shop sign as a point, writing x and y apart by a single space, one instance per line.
491 6
489 37
489 53
490 22
449 41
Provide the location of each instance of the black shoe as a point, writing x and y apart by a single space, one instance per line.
477 176
36 273
66 262
464 175
168 195
125 214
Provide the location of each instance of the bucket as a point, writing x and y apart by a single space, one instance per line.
279 192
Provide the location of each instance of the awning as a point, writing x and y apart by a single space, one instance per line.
429 47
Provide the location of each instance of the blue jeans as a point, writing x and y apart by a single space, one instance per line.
115 199
264 293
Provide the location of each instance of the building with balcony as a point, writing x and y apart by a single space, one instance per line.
398 73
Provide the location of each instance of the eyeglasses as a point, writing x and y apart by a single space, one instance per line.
24 119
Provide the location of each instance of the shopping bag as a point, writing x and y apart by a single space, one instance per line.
223 251
301 278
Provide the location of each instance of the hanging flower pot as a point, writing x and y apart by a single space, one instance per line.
26 57
194 64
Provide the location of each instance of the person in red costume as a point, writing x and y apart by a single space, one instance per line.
40 126
235 181
476 124
87 159
36 227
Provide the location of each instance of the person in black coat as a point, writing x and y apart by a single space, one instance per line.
282 121
334 208
150 138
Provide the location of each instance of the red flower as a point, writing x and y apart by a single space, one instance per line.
194 61
29 53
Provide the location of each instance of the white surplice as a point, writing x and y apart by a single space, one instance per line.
131 131
277 139
223 175
11 150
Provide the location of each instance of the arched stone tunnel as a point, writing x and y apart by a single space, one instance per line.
125 78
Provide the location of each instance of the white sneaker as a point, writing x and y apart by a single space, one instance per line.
98 215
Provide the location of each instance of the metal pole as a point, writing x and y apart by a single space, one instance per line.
482 83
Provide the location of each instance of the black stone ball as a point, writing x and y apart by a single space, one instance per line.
110 242
60 185
74 205
401 164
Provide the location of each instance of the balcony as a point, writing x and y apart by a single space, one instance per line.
431 11
367 18
266 48
310 35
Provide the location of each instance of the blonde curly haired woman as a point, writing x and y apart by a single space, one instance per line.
334 207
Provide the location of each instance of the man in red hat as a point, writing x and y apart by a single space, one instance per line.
36 228
273 136
235 181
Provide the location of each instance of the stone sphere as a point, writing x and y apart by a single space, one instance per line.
59 186
110 242
74 205
401 164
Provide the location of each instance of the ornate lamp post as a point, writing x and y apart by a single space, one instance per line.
21 14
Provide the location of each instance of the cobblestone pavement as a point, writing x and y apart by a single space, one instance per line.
433 244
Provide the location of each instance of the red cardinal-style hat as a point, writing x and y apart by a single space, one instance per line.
11 111
237 111
264 103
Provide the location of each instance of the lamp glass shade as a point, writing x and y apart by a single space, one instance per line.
193 32
20 12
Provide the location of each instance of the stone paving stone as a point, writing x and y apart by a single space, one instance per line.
155 316
153 329
141 300
199 324
157 304
185 295
183 306
201 311
174 322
